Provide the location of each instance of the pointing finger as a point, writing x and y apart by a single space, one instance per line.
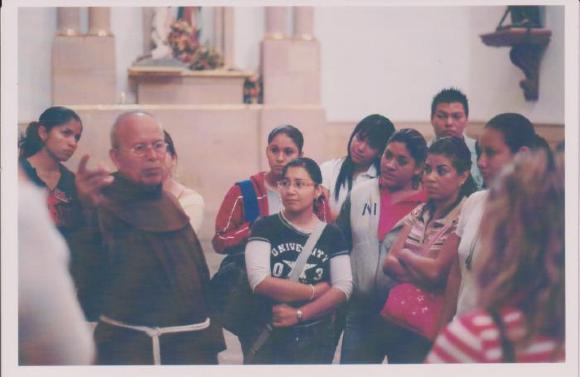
83 164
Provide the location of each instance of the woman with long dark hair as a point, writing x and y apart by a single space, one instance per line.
370 220
362 161
503 137
46 144
520 313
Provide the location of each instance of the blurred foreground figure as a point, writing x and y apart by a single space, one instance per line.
520 273
51 326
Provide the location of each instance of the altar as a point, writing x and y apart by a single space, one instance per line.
174 85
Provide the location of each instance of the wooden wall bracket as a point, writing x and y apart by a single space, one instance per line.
527 48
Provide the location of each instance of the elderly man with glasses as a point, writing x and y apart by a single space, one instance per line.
138 265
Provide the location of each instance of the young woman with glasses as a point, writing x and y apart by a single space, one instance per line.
231 227
46 144
299 311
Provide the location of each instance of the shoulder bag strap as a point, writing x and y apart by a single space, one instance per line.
293 276
306 251
507 348
433 239
251 208
472 246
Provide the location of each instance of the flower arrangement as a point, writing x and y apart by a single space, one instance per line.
184 42
205 58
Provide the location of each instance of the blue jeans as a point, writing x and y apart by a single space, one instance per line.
368 338
311 343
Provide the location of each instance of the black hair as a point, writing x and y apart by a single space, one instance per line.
376 130
415 144
450 95
290 131
457 151
541 144
309 165
30 142
517 130
170 145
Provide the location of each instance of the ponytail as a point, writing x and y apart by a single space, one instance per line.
30 142
468 187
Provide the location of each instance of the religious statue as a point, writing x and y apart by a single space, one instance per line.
163 17
521 16
175 39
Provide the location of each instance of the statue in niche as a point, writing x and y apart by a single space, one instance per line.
176 41
164 23
522 17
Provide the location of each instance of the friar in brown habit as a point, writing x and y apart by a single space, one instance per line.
138 265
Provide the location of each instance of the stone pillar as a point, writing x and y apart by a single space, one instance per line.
100 21
69 21
223 34
304 23
218 29
276 22
83 65
290 67
291 77
228 41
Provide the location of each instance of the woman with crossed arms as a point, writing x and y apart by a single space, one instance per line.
300 311
418 256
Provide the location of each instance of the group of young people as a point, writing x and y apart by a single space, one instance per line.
479 226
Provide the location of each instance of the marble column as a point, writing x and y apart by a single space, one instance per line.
304 23
81 61
228 40
100 21
276 22
218 29
223 34
69 21
291 78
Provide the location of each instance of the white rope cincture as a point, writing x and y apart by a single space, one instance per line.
156 332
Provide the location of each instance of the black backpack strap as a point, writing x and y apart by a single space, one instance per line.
506 346
251 209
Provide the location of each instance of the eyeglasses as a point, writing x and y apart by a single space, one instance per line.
299 185
140 150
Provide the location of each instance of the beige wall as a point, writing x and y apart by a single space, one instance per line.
218 145
373 59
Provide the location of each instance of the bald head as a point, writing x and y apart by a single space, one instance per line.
129 120
138 148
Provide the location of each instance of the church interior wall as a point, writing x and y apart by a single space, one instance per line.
385 60
494 80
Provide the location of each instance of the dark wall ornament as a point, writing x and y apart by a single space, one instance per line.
528 41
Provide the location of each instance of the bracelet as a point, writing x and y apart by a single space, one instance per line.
299 315
312 295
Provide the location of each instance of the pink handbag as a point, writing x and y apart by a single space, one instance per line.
414 308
